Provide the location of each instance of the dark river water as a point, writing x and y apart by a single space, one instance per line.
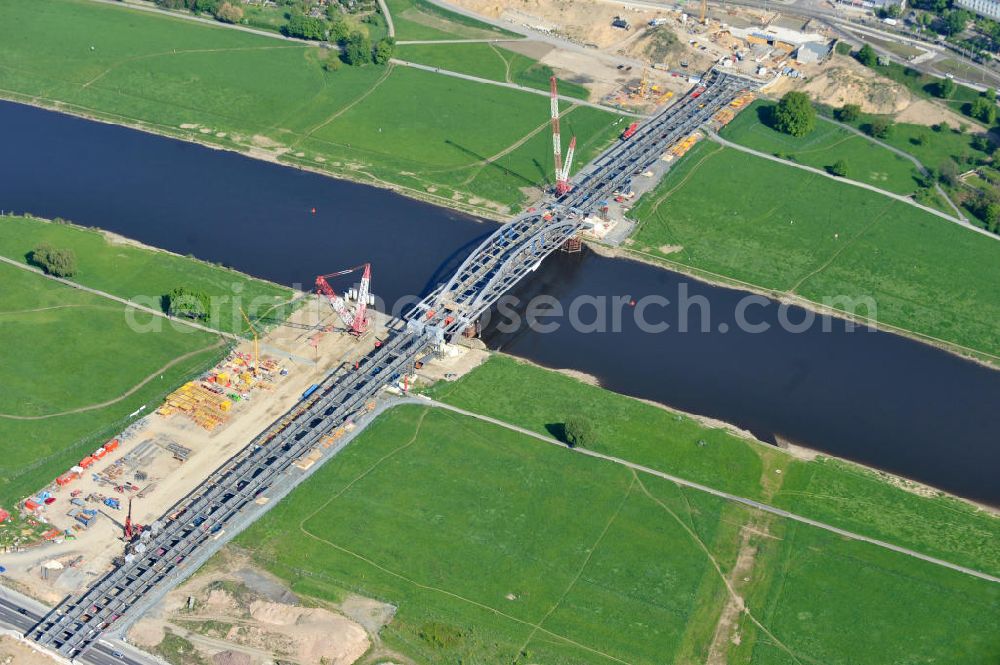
877 398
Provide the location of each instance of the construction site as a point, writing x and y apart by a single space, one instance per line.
95 513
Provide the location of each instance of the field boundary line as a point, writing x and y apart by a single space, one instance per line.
853 183
840 250
125 395
715 564
414 582
342 111
709 490
905 155
513 86
124 301
586 561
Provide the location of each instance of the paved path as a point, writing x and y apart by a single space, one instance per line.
457 41
124 301
185 16
854 183
905 155
513 86
390 28
710 490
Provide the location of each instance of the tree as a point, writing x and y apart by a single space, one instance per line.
838 168
982 143
228 13
990 94
578 432
880 128
358 50
945 88
984 110
795 114
948 173
185 302
955 21
848 112
867 56
305 27
58 262
206 6
384 50
339 30
991 216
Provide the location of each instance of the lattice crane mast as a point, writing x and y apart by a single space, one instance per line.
355 321
562 173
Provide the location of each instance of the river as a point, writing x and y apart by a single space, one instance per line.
874 397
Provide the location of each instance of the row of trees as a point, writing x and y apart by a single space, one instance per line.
356 46
222 10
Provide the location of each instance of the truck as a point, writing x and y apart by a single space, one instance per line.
630 131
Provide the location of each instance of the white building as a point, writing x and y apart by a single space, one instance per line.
987 8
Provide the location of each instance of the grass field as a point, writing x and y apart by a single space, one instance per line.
488 61
273 98
618 579
421 20
145 275
930 147
866 161
833 601
829 490
926 275
65 349
527 553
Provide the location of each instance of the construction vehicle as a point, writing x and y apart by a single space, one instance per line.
561 170
356 321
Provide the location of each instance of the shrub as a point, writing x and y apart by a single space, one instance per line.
58 262
384 50
187 303
578 432
848 113
228 13
867 56
838 168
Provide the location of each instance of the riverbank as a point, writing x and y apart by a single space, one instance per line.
975 355
178 134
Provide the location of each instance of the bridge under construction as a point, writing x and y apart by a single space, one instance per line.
161 554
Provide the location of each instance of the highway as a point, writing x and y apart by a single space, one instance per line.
15 612
231 497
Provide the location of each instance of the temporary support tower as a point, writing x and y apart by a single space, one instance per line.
562 172
128 523
256 347
356 321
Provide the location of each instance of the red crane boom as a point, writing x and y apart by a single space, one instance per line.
562 173
355 321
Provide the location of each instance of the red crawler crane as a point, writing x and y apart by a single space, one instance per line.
356 321
562 172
